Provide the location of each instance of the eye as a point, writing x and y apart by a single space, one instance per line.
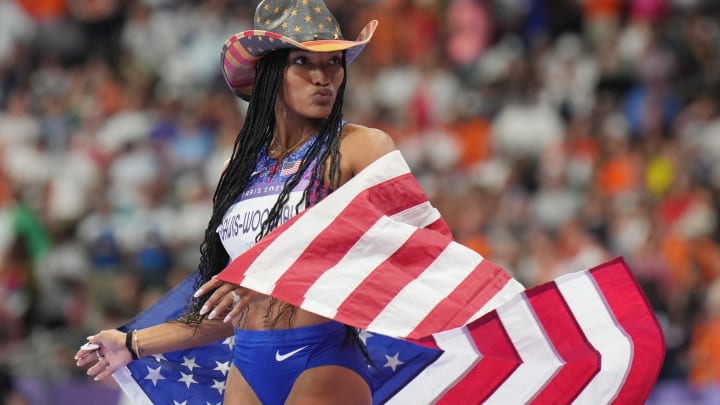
300 60
336 60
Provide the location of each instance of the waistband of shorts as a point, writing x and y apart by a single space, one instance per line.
302 334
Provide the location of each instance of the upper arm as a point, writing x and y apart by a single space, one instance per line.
362 145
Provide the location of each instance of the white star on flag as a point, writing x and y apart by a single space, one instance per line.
222 367
159 357
154 375
218 385
180 403
187 379
230 342
393 361
189 363
364 336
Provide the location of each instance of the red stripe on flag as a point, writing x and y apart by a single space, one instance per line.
386 280
499 360
235 271
404 186
635 315
465 301
582 361
333 243
440 226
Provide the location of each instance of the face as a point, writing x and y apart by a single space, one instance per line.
312 81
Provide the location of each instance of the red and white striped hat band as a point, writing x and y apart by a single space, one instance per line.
285 24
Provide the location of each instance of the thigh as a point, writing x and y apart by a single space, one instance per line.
330 385
238 391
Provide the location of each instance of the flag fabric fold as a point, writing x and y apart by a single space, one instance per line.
441 323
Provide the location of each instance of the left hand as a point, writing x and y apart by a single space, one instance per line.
226 296
108 357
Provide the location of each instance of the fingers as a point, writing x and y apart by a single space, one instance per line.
217 301
100 363
225 302
239 303
235 309
212 284
105 352
86 352
101 369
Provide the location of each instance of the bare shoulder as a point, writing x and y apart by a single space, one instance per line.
362 145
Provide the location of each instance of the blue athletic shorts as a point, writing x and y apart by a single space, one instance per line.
271 360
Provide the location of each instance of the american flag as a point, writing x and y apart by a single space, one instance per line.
442 324
289 168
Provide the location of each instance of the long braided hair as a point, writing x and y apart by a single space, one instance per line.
256 134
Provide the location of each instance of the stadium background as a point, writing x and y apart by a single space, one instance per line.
552 135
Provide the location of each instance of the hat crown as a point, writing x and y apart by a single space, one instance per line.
300 20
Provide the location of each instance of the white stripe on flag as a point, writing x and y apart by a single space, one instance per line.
540 362
420 215
418 297
511 289
460 355
334 286
130 387
597 322
289 245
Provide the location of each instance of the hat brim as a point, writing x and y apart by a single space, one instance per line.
242 50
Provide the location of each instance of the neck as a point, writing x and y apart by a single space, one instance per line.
291 134
280 151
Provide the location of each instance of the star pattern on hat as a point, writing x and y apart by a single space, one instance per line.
302 18
308 22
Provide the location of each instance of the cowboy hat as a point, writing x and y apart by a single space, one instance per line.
285 24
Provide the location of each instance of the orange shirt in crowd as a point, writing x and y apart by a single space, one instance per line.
43 9
474 136
599 9
705 353
617 175
692 262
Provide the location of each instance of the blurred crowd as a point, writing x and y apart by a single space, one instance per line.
552 135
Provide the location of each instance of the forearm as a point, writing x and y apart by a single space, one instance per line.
168 337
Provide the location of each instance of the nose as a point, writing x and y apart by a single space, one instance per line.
319 76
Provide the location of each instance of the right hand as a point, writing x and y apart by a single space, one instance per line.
110 356
226 299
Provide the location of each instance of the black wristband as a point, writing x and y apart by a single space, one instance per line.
128 344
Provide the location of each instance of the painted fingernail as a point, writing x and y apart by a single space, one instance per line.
198 293
204 310
212 315
227 319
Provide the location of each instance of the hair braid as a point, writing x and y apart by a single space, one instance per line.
255 135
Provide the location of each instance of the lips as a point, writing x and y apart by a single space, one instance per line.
323 93
323 96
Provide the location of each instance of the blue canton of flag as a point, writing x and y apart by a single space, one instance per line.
197 376
194 376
